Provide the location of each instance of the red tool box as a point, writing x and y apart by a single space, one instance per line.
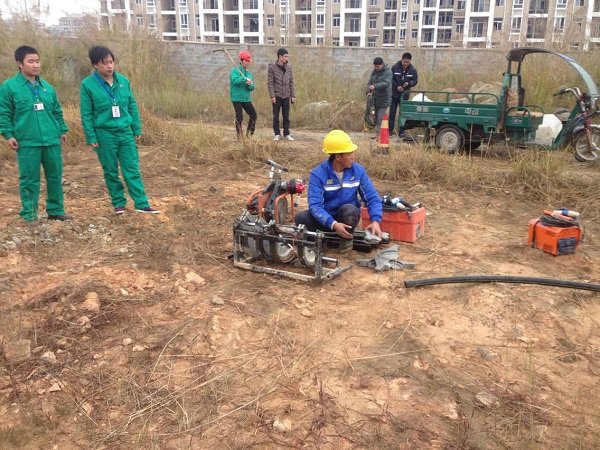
402 225
553 240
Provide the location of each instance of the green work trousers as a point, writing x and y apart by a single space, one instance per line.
29 160
119 149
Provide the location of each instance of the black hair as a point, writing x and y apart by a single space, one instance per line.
407 56
23 51
281 52
99 53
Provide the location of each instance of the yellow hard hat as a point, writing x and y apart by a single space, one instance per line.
337 141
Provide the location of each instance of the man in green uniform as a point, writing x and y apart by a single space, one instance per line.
31 120
111 123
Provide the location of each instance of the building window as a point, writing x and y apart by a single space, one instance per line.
271 40
373 2
414 33
182 2
515 26
151 21
336 41
336 20
283 20
428 18
579 2
460 26
235 23
320 3
139 20
415 17
499 2
389 19
151 3
320 20
445 19
559 24
372 22
391 4
271 2
270 21
138 2
354 24
561 4
389 36
214 24
282 40
320 40
183 20
198 23
402 34
478 6
498 23
403 16
427 36
371 42
518 4
460 4
477 29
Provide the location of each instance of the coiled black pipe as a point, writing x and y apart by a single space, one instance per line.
503 279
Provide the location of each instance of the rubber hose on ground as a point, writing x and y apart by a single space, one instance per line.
503 279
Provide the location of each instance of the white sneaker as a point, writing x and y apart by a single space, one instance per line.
277 137
287 137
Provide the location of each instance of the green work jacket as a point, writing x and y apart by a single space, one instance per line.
239 91
96 107
21 119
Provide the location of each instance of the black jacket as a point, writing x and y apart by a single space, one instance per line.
401 76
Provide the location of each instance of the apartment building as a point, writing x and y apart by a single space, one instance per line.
366 23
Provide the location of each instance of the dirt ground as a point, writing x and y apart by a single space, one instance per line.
157 341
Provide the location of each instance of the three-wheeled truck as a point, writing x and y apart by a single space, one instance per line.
459 120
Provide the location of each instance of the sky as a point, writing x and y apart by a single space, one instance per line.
57 8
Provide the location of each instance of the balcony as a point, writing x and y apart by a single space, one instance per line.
353 4
211 4
117 4
391 4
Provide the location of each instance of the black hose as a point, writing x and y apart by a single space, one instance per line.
503 279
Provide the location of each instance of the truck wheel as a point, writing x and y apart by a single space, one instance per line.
450 138
582 150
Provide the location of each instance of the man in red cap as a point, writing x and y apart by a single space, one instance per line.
241 85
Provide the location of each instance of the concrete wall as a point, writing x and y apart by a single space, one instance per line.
207 67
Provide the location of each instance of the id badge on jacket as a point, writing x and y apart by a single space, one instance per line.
116 112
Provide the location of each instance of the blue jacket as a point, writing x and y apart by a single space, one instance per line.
326 194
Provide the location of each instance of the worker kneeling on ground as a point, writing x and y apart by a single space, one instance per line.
334 189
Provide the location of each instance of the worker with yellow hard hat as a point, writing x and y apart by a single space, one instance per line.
336 189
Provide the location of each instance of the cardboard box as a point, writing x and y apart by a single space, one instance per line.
402 226
554 240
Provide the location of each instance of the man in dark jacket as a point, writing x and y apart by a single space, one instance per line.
280 82
404 77
380 87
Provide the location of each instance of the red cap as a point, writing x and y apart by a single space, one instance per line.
245 55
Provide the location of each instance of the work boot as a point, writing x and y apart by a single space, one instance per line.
346 245
60 217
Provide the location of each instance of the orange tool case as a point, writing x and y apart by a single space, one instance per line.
554 240
402 225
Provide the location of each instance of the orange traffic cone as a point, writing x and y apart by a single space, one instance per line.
384 132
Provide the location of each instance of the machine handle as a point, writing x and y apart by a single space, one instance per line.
561 92
276 165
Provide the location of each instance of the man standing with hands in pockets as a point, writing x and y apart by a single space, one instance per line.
280 79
